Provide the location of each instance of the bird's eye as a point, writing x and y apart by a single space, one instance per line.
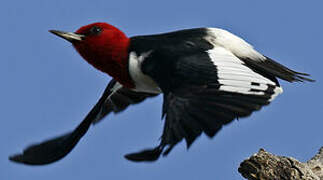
95 30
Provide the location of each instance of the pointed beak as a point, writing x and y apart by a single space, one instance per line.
69 36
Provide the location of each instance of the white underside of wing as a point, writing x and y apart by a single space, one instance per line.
235 76
115 88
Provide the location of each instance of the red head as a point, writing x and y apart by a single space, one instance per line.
105 47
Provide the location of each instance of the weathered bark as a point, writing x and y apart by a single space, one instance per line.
266 166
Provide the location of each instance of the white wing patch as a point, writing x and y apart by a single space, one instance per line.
233 43
235 76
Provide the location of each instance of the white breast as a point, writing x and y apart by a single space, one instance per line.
143 83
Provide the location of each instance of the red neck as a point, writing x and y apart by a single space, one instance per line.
109 54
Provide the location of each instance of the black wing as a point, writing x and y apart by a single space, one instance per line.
120 100
205 87
55 149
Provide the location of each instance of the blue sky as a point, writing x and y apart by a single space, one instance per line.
47 89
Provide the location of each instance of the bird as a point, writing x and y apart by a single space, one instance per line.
208 77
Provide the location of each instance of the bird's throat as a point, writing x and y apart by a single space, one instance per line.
112 60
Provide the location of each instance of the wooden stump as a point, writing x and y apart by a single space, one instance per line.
266 166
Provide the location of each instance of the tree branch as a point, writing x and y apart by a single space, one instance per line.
266 166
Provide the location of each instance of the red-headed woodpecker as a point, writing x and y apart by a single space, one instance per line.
208 77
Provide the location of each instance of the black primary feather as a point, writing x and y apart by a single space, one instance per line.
57 148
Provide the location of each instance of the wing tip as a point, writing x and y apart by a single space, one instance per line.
17 158
147 155
299 77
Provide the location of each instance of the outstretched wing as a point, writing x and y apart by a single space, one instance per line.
206 87
119 99
114 99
